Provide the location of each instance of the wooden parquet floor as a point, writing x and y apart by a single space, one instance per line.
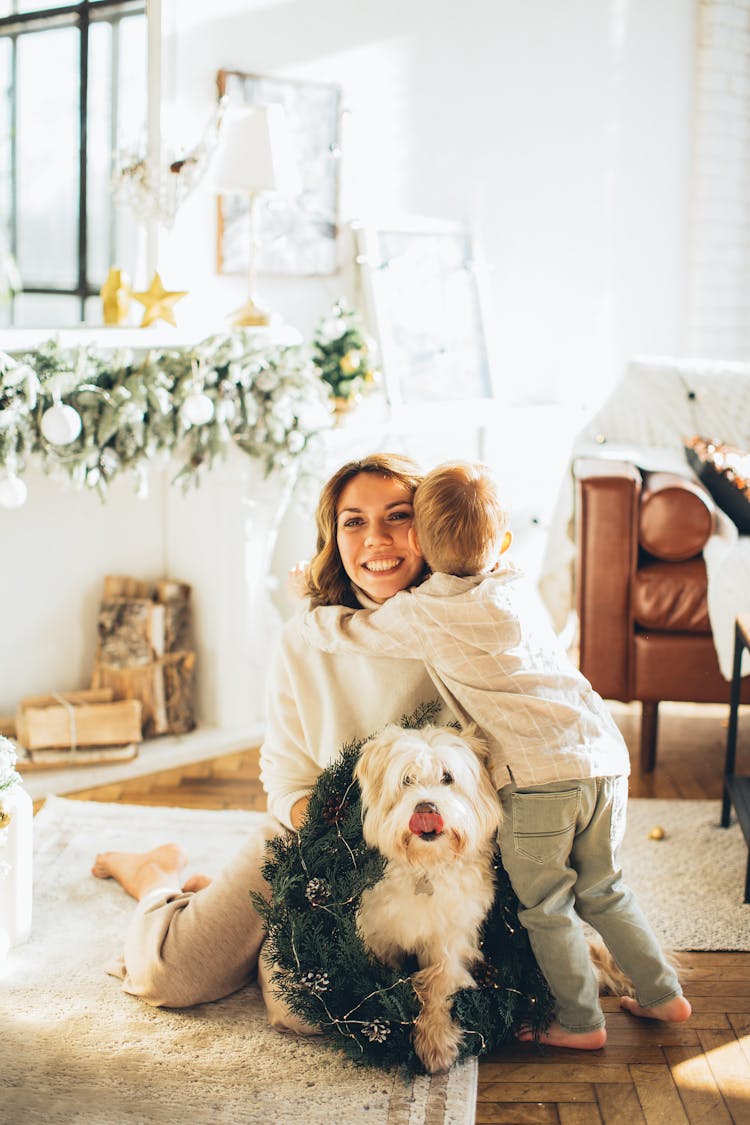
697 1072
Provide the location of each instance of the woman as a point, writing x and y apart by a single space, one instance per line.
190 942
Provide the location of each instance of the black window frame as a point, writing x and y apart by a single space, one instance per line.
38 21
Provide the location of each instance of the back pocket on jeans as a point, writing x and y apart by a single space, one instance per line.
544 824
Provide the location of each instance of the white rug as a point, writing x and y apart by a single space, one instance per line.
691 884
75 1048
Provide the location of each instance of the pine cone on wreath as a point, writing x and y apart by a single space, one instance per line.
334 809
318 892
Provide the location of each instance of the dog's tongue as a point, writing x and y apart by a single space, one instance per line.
422 822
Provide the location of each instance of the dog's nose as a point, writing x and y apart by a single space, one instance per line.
425 806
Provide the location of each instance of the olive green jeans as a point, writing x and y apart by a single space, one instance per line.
559 844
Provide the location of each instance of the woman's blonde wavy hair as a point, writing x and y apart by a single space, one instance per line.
327 581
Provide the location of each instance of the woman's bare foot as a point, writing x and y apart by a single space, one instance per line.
672 1011
557 1036
196 882
140 872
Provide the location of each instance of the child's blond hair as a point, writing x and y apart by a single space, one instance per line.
458 518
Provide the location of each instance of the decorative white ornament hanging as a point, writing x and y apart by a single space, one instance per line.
13 492
61 424
197 409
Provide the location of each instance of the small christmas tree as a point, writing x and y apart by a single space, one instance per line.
324 971
343 354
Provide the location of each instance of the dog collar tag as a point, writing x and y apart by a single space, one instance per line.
423 886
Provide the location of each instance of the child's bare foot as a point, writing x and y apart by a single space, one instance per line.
139 872
557 1036
672 1011
196 882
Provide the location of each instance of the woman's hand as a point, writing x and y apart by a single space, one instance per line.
299 812
296 580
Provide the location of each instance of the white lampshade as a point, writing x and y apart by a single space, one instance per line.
254 152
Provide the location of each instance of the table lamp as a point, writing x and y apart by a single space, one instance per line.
254 154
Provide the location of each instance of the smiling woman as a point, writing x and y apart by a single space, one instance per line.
363 558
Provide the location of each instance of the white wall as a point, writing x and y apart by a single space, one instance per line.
719 297
54 554
561 130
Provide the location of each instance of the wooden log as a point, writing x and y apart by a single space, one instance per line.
164 687
120 586
87 724
178 615
130 631
168 590
138 623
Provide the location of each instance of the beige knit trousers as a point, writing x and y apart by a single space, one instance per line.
185 948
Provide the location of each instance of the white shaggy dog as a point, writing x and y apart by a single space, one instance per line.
430 809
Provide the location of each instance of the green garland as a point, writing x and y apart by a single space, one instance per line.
187 404
324 972
343 354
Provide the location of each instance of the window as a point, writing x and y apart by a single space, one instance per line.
72 91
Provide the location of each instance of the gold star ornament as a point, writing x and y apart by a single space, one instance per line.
115 295
158 302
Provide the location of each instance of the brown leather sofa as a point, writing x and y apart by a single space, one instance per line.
641 590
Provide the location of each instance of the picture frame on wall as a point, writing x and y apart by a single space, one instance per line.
296 237
426 292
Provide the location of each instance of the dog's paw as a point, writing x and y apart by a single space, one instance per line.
437 1045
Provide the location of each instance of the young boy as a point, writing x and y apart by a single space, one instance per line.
559 761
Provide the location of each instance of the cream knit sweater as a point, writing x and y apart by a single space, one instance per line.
318 702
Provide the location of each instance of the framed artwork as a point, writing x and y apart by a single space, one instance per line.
296 236
426 293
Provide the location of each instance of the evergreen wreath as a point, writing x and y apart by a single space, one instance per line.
322 968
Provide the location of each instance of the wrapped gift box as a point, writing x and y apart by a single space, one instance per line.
69 720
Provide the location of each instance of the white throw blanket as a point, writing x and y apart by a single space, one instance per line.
655 406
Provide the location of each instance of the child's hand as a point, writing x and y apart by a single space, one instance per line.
296 579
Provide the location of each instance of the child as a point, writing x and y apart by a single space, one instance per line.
559 761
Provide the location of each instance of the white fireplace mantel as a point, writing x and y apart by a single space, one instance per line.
219 538
15 340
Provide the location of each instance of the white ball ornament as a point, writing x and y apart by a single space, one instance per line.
61 424
197 409
13 492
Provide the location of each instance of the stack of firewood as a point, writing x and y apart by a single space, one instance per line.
144 651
